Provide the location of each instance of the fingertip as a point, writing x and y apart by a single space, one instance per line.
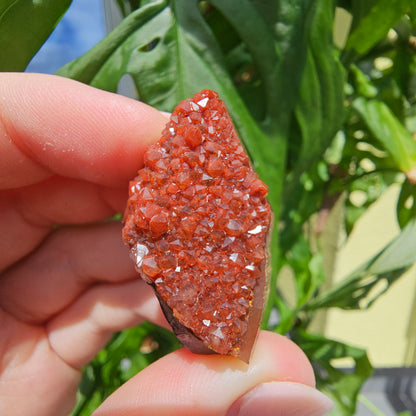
188 384
285 357
75 130
281 399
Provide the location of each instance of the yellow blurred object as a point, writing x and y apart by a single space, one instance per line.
387 330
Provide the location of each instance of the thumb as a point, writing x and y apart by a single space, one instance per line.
183 383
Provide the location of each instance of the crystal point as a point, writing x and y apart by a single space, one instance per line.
197 223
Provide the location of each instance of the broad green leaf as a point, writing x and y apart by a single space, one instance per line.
271 46
320 110
356 290
372 20
269 11
24 27
260 42
341 386
319 114
86 67
389 131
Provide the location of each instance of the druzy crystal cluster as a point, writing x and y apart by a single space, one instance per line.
196 224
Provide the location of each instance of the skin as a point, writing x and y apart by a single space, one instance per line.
67 152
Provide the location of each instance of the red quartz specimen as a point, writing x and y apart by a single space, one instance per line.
196 223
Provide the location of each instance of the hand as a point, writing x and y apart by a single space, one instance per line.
67 284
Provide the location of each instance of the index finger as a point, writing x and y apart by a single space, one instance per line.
58 136
52 125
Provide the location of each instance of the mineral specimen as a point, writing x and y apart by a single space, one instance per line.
196 223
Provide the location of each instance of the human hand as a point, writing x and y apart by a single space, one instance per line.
67 284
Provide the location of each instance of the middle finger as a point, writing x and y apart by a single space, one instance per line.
68 262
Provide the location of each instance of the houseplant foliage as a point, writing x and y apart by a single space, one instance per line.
311 114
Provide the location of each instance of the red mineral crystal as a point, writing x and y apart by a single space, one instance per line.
196 223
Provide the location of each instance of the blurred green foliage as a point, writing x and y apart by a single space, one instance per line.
321 122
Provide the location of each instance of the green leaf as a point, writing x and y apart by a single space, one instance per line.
389 131
356 291
372 20
308 269
399 254
122 358
320 110
86 68
271 44
369 186
127 6
24 27
406 204
319 115
342 386
260 42
364 87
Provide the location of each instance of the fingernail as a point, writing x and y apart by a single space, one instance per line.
281 399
